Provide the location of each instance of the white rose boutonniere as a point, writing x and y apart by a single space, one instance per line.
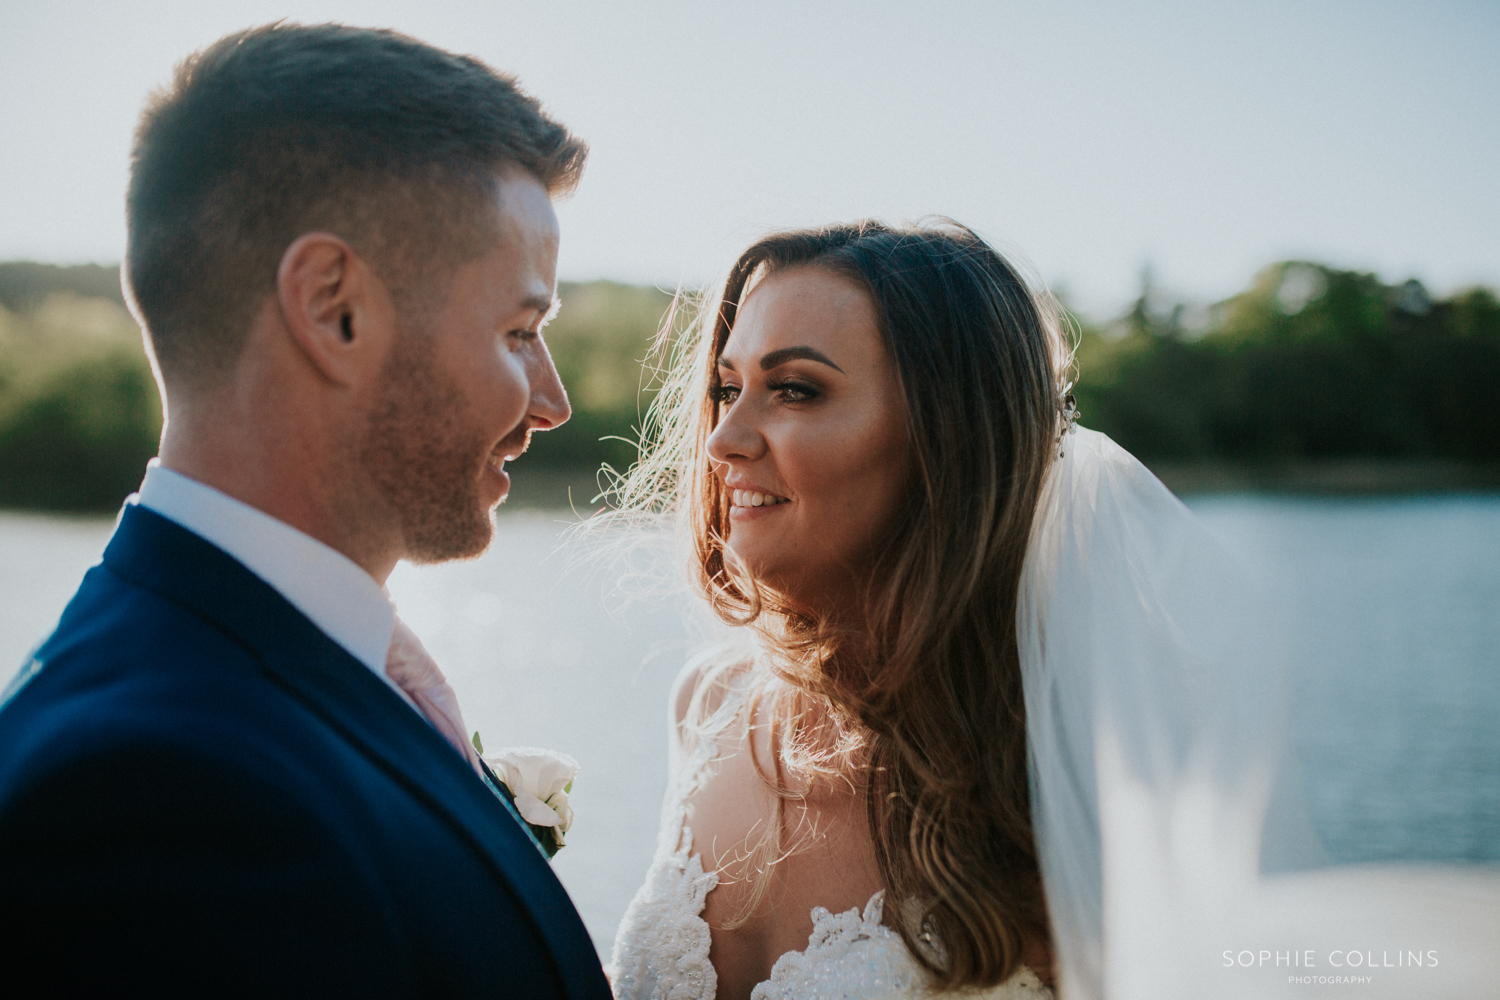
539 782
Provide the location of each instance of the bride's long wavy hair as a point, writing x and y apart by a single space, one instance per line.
925 702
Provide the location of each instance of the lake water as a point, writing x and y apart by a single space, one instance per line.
1393 608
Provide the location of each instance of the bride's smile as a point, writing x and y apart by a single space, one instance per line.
749 499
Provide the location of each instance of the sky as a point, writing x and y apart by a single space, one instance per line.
1203 139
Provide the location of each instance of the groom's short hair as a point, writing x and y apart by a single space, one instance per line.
275 131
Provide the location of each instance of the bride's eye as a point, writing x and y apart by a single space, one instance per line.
724 394
794 392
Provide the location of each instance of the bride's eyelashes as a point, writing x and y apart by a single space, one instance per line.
794 392
787 391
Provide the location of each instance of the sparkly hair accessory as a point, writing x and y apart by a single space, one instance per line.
1067 405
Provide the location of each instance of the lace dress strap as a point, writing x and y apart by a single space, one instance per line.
661 949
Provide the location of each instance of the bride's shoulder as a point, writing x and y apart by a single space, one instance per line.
708 683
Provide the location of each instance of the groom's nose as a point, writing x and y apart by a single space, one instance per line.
549 400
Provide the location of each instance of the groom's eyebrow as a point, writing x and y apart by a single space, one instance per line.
543 304
786 354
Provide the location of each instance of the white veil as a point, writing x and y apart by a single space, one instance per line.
1156 720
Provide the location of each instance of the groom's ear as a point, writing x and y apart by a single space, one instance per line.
335 308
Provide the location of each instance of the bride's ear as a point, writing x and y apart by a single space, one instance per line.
335 307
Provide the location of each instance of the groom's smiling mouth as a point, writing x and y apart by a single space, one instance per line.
510 448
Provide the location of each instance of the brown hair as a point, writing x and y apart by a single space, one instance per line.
279 130
932 685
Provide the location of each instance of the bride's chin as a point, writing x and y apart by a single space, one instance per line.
784 581
760 566
792 593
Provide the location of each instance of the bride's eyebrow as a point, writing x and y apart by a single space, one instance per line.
781 357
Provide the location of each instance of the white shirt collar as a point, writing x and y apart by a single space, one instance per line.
324 584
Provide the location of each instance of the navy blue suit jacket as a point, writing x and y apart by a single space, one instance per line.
201 794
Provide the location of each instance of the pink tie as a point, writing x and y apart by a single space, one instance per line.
413 670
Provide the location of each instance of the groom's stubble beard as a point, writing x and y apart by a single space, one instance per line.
423 461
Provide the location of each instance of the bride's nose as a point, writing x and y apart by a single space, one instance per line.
736 438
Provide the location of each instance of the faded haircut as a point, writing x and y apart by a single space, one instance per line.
272 132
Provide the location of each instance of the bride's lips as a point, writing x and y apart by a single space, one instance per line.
748 502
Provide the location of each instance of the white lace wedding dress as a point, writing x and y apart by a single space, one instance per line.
661 950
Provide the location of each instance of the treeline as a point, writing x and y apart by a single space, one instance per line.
1309 362
79 414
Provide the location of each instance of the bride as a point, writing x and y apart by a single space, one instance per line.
1002 719
856 451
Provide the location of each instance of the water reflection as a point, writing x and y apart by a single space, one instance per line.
1394 633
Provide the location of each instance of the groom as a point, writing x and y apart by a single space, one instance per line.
342 248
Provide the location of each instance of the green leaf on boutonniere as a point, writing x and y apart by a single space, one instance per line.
478 746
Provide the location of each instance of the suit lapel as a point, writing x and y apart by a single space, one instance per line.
161 556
